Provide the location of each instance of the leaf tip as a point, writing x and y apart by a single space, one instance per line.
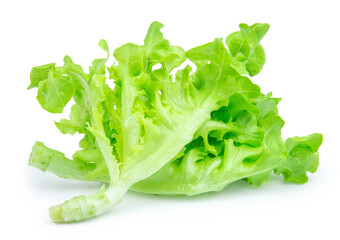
103 45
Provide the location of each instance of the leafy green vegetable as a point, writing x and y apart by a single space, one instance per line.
161 132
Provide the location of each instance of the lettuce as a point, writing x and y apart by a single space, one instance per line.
169 130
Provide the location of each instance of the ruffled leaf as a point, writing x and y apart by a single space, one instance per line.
245 46
302 157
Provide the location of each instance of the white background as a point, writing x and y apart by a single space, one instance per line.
302 48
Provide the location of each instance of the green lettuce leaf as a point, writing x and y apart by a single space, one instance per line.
302 157
167 130
245 46
235 144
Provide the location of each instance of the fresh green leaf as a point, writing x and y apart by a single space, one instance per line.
76 123
302 157
55 92
245 46
39 73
